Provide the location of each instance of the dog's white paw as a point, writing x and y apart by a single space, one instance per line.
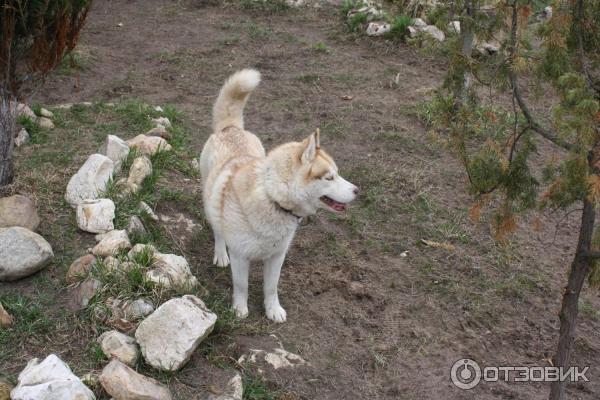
221 259
276 313
240 311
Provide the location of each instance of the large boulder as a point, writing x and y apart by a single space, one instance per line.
169 336
117 150
18 210
90 180
149 145
123 383
117 345
50 379
22 253
96 216
170 270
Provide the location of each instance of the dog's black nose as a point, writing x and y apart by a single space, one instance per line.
355 190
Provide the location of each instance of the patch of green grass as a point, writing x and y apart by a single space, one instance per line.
31 322
399 27
264 6
230 40
349 5
356 22
321 47
588 311
309 78
258 32
37 135
75 61
256 389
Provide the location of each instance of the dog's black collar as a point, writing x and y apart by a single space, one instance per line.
285 210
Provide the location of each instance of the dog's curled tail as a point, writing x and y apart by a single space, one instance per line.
229 107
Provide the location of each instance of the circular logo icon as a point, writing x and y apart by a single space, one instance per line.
465 374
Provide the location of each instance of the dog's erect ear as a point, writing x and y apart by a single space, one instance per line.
317 136
310 151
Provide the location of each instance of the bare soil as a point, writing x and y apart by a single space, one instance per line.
377 314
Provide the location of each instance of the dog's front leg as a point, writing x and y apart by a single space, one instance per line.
271 270
239 273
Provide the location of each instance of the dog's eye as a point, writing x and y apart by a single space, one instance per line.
329 177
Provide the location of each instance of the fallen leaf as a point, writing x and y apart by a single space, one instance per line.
445 246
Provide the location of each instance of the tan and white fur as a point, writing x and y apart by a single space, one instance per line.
253 200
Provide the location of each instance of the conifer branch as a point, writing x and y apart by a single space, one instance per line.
551 136
581 52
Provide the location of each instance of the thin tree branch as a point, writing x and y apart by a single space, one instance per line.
551 136
579 15
590 254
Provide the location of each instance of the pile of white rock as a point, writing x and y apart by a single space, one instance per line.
44 120
377 26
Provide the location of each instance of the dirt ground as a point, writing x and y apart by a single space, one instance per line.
377 314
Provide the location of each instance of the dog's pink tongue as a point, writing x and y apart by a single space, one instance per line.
339 206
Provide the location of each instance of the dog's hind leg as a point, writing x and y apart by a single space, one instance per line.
271 270
239 273
221 258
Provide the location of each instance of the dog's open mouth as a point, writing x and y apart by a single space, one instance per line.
336 205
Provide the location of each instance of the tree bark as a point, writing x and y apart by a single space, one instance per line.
467 38
580 268
7 132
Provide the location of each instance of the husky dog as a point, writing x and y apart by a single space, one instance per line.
253 200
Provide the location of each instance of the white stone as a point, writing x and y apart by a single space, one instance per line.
413 32
140 247
117 150
111 264
378 28
24 109
278 358
90 180
454 26
169 336
435 32
22 137
137 309
96 216
163 121
46 113
140 169
146 209
112 243
135 226
149 145
170 270
123 383
158 108
22 253
120 346
65 106
419 23
50 379
45 123
196 164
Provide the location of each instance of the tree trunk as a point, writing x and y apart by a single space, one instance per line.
7 132
580 268
467 38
